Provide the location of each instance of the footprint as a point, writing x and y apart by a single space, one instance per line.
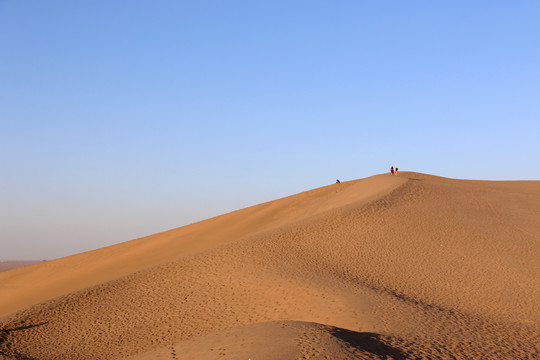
173 353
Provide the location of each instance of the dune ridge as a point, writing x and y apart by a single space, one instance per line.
414 266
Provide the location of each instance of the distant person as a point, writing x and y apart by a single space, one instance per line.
338 182
392 170
396 171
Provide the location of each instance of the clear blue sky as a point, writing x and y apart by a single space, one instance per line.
119 119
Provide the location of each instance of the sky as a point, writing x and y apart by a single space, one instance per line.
120 119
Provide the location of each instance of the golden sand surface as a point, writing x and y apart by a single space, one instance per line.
412 266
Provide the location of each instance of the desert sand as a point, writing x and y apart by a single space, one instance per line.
412 266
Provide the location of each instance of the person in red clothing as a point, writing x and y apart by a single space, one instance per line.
392 170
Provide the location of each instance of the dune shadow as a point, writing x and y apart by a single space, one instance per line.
369 342
6 350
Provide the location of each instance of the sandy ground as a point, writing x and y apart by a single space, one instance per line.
406 267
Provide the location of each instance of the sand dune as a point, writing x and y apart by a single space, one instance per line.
279 340
28 286
414 266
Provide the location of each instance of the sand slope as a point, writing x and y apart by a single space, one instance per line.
414 266
279 340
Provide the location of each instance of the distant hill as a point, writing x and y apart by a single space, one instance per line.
14 264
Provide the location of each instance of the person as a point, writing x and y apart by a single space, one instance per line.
392 170
338 182
396 171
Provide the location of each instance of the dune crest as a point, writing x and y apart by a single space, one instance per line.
413 266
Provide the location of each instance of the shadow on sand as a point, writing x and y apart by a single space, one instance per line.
368 342
6 350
